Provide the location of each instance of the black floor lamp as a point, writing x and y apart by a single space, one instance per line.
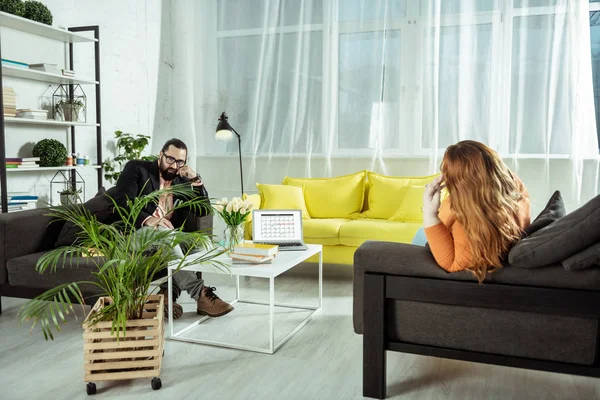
224 132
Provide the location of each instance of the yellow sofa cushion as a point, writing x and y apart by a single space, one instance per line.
386 193
338 197
282 197
355 233
412 203
255 200
325 231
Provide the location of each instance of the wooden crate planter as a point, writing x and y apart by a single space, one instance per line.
137 355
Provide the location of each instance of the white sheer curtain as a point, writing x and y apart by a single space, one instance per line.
326 87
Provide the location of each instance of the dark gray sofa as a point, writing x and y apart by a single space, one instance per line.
544 318
25 236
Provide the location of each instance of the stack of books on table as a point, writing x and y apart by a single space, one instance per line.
21 202
23 162
32 114
10 101
68 72
45 67
254 253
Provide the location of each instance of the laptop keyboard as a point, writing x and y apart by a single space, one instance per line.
287 244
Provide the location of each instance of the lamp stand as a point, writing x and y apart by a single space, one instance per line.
240 154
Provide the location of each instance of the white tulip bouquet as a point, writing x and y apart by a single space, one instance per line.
234 212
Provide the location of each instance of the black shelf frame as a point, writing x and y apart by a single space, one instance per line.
3 175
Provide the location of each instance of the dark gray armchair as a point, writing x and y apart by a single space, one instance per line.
545 318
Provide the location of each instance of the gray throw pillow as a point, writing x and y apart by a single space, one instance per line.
554 210
559 240
587 258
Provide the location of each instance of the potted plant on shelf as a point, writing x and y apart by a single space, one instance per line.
69 109
129 147
124 263
70 196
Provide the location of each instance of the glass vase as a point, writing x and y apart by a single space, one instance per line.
233 235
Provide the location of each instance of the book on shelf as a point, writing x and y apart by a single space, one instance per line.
32 114
22 198
22 159
21 163
22 166
256 249
248 259
13 63
45 67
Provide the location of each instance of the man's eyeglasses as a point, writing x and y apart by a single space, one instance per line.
171 160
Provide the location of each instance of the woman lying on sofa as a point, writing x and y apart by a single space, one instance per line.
484 214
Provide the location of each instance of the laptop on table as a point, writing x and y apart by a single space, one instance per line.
280 227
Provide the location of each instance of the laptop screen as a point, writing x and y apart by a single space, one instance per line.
277 225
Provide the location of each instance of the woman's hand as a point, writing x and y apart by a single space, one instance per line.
431 201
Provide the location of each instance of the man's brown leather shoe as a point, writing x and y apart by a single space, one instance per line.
210 304
177 309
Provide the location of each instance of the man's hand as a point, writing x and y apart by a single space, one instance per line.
156 222
187 172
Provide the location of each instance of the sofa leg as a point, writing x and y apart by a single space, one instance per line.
374 353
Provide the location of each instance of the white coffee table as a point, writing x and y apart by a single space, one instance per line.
284 261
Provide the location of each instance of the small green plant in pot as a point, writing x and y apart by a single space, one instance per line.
14 7
51 152
70 109
129 147
37 11
70 196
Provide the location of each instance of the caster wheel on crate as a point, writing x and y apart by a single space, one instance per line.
156 383
90 388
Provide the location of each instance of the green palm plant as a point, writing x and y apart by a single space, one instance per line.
126 261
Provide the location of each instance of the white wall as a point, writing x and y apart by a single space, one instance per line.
129 54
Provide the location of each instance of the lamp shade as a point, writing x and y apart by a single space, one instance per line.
224 131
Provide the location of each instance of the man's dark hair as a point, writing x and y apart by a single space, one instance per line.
176 143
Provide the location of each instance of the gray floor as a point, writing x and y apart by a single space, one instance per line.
323 361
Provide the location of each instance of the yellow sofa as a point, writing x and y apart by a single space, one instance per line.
343 212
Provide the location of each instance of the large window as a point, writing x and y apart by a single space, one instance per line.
595 41
349 76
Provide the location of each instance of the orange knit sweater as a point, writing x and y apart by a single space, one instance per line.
449 242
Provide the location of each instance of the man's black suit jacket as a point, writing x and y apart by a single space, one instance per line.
140 178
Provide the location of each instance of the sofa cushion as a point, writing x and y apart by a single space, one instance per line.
255 200
338 197
355 233
411 206
22 272
587 258
541 336
554 210
325 231
559 240
410 260
283 197
386 193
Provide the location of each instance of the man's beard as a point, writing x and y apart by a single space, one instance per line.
166 174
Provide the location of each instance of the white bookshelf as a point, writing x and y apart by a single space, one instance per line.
46 122
61 168
39 29
25 28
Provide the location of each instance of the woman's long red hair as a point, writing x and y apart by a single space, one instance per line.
484 196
